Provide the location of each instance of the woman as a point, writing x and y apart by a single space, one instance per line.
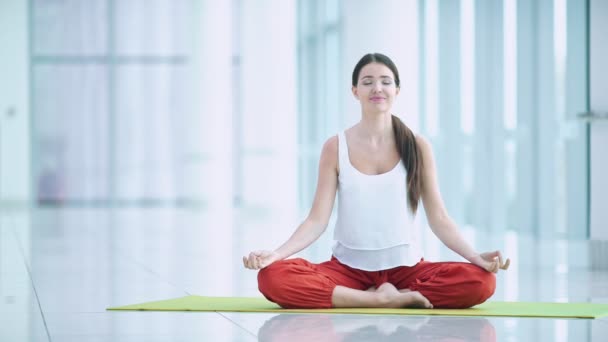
381 171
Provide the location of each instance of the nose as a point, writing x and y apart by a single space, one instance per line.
378 87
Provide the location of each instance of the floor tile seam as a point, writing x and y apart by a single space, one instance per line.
149 270
29 272
238 325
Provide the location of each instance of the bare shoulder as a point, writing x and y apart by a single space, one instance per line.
331 145
425 146
329 154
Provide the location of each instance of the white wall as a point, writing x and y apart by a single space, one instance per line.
14 87
599 129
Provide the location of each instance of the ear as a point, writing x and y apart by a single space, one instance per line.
398 90
355 93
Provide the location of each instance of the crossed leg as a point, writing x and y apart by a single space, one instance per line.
297 283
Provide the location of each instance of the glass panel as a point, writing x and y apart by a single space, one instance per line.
561 170
70 27
332 10
153 27
513 73
319 112
331 113
151 107
97 119
305 18
70 132
467 66
431 61
575 94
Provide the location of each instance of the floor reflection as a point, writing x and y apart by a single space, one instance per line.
297 327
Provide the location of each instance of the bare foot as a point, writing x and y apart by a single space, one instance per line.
393 298
389 296
417 300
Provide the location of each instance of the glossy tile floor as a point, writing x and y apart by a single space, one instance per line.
61 268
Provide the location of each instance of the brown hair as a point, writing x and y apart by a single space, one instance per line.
408 149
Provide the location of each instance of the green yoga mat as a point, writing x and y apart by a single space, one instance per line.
247 304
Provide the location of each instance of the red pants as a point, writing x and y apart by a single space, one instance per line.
297 283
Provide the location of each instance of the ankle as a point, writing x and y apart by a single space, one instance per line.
383 298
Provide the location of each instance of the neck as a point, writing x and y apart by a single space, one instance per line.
376 127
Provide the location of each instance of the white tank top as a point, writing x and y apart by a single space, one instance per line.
375 229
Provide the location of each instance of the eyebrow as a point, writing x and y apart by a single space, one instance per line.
373 77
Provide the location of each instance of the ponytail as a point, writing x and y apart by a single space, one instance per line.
412 160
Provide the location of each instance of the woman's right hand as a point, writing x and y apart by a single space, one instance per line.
260 259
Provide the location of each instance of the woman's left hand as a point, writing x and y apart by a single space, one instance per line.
490 261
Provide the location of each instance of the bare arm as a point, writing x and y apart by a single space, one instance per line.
439 220
318 218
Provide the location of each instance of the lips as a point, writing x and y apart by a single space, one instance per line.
377 99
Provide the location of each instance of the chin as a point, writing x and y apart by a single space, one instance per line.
382 108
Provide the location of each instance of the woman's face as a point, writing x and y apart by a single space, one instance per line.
376 88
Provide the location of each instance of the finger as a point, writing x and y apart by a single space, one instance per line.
245 262
494 267
251 262
256 263
252 258
500 263
506 264
490 255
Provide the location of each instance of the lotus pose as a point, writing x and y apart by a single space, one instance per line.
380 171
